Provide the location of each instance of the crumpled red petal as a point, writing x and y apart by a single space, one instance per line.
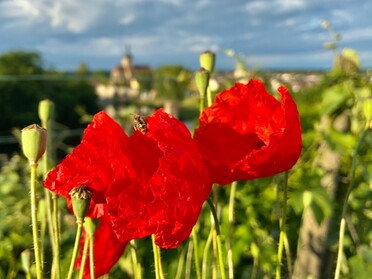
166 188
248 134
94 162
107 250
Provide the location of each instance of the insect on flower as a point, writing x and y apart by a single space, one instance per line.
139 123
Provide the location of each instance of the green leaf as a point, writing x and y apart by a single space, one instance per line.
334 98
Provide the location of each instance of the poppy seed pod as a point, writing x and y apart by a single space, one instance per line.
207 60
34 141
202 81
91 225
80 197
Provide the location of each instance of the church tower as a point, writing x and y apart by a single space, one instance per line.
126 63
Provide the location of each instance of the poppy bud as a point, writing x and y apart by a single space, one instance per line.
80 197
26 260
46 108
34 141
367 108
91 225
202 81
207 60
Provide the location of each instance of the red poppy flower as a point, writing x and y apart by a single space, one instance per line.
107 250
93 163
246 133
173 187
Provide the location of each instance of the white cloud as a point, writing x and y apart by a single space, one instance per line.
341 16
357 34
102 46
71 15
126 20
275 6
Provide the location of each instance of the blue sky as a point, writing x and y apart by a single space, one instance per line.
281 34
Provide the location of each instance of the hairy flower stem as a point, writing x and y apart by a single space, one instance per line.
190 248
52 212
231 229
35 229
157 260
91 256
137 269
79 229
282 223
196 253
219 242
201 104
206 253
209 96
345 204
83 259
56 233
288 255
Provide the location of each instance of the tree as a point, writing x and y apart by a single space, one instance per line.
171 83
21 63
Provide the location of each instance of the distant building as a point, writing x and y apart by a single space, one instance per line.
122 85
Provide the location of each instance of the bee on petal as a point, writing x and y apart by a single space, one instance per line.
139 123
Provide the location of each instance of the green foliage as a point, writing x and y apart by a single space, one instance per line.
14 215
145 80
21 63
171 81
19 97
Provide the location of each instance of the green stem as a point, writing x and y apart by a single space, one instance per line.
282 226
52 213
231 229
206 253
91 256
219 243
288 253
190 248
35 229
157 260
181 262
209 96
84 259
220 257
196 254
56 236
215 255
214 214
76 248
136 264
201 104
345 204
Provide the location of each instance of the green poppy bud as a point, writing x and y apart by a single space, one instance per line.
34 141
367 108
207 60
91 225
202 81
26 260
80 197
46 109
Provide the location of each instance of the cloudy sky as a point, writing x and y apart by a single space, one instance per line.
284 34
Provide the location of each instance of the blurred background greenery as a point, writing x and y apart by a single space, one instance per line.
332 120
